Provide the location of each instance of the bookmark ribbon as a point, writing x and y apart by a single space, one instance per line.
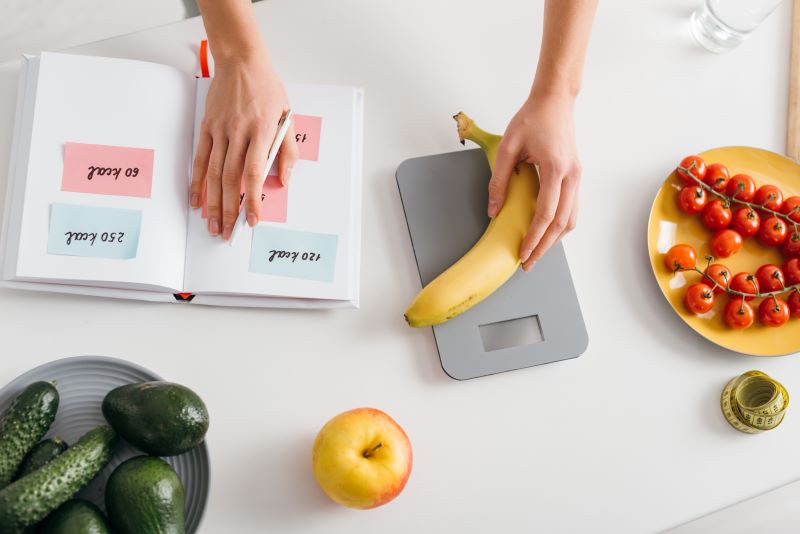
204 72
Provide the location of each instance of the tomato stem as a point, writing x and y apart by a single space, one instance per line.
733 199
785 288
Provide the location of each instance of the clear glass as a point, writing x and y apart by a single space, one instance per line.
722 25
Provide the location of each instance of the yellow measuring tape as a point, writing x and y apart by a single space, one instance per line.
754 402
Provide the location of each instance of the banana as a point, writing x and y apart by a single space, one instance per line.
494 258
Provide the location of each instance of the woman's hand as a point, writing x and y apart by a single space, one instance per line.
245 102
542 134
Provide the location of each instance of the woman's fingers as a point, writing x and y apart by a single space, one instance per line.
232 159
214 184
287 156
558 225
546 208
199 168
507 159
255 173
572 222
232 184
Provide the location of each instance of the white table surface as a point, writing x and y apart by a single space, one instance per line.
627 438
29 25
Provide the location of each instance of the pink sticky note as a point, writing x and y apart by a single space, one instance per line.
107 170
307 131
274 201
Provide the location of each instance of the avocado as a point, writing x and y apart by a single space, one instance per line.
75 517
160 418
25 422
145 496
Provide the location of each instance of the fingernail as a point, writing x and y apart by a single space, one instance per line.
492 208
227 231
213 226
195 200
287 175
527 268
252 219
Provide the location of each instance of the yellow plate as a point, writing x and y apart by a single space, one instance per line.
669 226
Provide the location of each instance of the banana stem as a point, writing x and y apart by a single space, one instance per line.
467 129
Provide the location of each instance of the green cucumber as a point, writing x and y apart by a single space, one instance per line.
160 418
25 422
31 498
75 517
145 496
40 454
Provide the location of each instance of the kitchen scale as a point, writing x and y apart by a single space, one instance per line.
534 318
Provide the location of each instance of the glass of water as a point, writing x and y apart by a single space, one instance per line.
721 25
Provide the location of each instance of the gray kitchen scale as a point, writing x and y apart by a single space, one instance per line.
533 319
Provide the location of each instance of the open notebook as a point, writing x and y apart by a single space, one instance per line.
97 198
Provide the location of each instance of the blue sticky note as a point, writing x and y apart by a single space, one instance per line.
293 253
94 231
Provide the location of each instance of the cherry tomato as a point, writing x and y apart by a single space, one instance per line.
699 298
791 271
773 312
738 314
769 196
720 274
698 171
692 199
716 215
717 177
791 247
741 187
770 278
746 221
794 304
680 257
773 232
791 207
725 243
745 283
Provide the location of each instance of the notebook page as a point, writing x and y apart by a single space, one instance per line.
313 218
123 223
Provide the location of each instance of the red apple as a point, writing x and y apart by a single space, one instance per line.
362 458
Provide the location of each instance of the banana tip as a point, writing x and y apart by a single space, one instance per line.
412 323
464 123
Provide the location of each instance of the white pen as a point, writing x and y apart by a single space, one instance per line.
283 127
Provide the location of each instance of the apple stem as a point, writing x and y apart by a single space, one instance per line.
371 451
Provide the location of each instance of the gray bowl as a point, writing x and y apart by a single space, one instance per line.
83 381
